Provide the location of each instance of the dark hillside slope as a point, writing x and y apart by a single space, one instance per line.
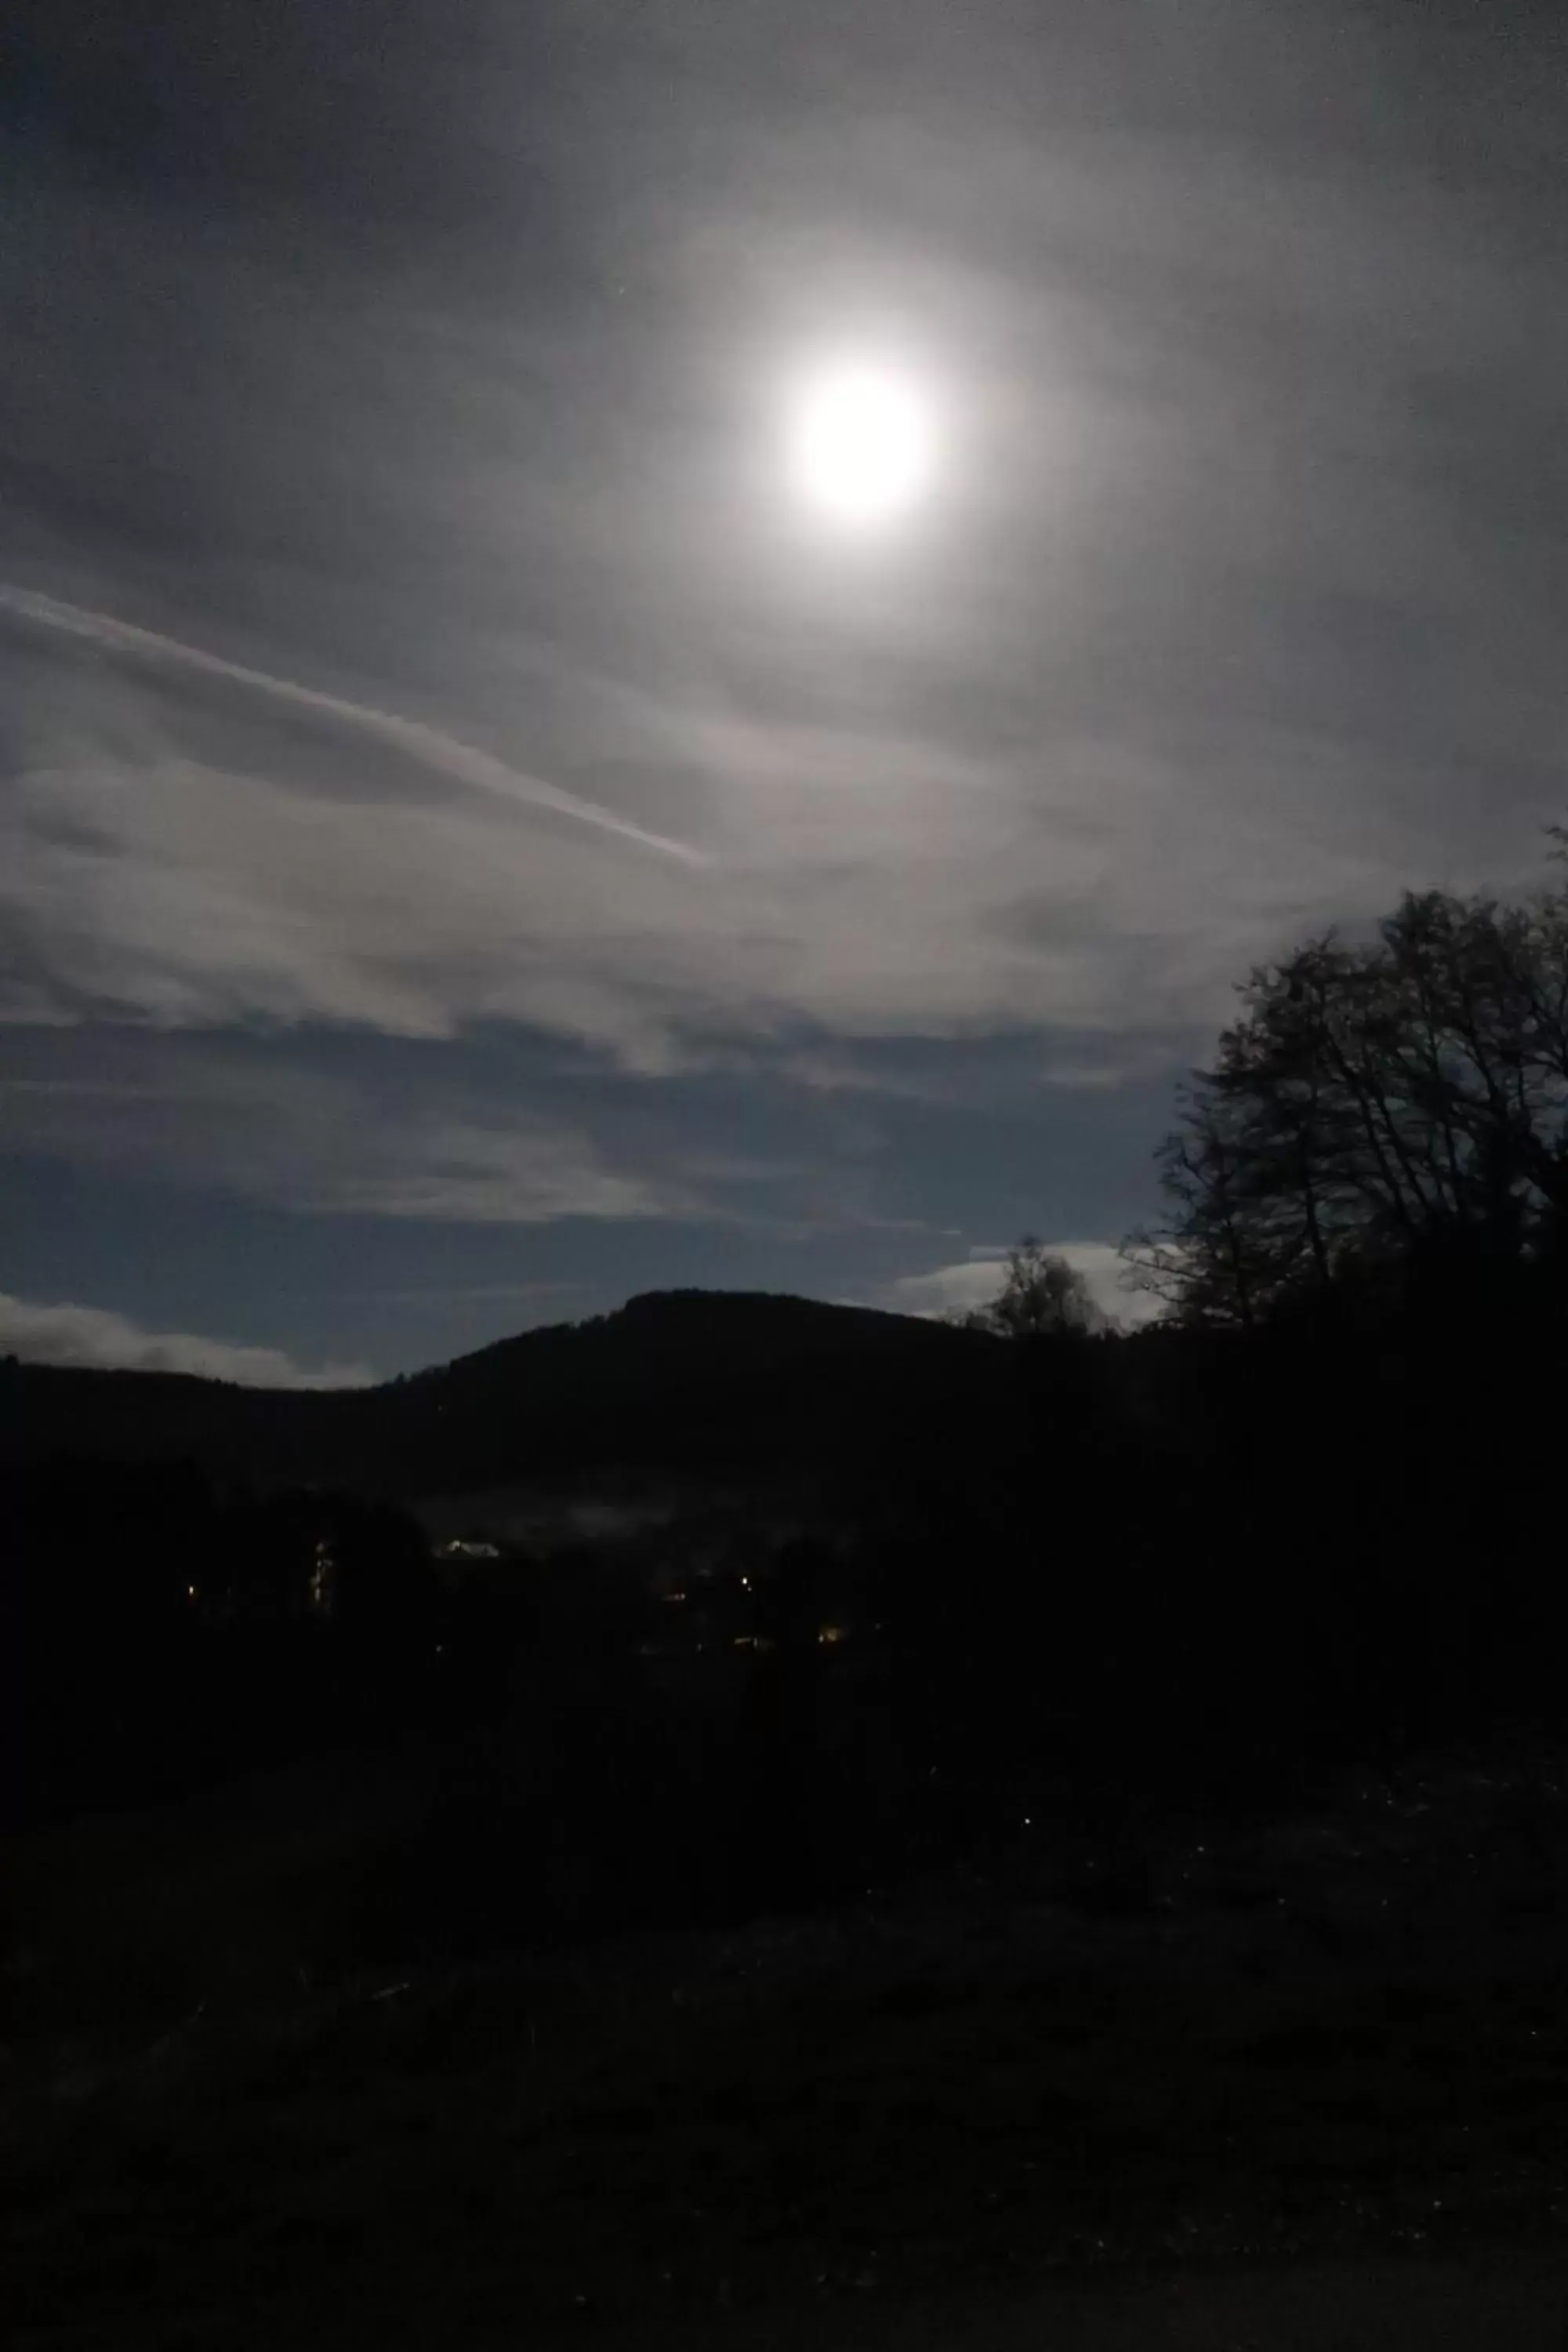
674 1379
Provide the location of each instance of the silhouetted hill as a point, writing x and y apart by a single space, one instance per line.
678 1379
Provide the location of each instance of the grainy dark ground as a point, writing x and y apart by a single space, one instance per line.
1195 2085
1496 2300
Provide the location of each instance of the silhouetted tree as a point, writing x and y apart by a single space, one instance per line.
1376 1112
1041 1297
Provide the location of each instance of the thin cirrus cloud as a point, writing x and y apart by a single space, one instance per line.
483 1135
860 881
460 761
93 1338
270 1131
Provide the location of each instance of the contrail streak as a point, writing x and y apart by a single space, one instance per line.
461 762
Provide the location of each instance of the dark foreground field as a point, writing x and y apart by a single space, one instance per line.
1303 2085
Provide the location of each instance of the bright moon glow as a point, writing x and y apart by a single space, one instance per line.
861 443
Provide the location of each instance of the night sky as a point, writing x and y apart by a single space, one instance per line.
476 840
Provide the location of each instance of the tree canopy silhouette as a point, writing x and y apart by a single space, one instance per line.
1042 1296
1376 1112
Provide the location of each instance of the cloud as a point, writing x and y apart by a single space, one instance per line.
267 1126
862 885
467 1174
95 1337
496 1131
468 1294
429 745
976 1280
1196 651
167 891
1201 647
1086 1077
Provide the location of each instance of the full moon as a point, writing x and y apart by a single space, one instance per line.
861 443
